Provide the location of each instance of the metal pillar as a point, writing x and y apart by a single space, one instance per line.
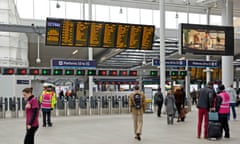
162 46
208 72
90 55
227 66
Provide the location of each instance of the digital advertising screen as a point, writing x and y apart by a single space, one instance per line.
205 39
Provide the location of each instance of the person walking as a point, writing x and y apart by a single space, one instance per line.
32 115
179 97
224 110
194 94
206 96
48 101
137 107
158 101
233 98
170 107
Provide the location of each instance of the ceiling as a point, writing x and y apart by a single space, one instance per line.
118 58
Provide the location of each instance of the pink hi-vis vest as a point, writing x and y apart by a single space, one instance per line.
224 107
46 100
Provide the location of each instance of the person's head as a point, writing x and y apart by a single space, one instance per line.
169 92
27 92
49 88
136 88
210 84
231 86
221 87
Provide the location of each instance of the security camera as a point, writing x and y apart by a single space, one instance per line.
38 60
58 5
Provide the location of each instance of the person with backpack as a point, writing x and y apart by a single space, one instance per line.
158 101
137 107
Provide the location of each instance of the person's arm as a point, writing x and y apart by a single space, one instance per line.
130 103
144 102
33 117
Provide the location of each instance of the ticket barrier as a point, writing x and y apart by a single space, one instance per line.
109 105
72 106
83 105
104 105
125 104
23 104
115 105
60 106
14 107
94 105
2 108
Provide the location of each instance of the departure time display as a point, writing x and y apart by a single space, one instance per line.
79 33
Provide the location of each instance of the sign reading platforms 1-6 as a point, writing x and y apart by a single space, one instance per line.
79 33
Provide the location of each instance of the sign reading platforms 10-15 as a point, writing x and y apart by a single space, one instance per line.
79 33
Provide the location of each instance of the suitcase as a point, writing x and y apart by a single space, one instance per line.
214 129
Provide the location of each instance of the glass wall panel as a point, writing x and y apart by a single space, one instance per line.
102 13
133 15
57 12
25 8
41 9
215 20
73 10
146 16
156 18
118 14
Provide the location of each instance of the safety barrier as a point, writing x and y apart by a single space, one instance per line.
14 107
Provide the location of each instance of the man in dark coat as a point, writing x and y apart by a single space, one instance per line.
158 101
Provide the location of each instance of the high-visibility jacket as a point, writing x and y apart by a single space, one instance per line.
224 107
48 99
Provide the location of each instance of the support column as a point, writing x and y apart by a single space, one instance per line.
208 72
90 56
227 66
162 46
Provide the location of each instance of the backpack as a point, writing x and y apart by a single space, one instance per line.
137 101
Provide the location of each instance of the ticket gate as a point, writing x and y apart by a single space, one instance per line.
125 104
2 108
94 105
72 106
83 105
14 107
60 106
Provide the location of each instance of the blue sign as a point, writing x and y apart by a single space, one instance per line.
23 82
58 63
169 63
203 64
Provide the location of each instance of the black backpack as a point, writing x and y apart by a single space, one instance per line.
137 101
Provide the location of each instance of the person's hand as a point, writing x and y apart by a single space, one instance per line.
28 126
213 109
181 106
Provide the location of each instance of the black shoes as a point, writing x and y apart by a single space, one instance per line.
44 125
138 137
50 125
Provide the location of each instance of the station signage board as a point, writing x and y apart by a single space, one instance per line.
63 63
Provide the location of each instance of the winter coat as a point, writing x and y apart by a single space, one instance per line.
170 104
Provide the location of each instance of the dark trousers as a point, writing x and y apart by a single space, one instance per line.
223 119
47 117
159 109
194 101
29 137
232 106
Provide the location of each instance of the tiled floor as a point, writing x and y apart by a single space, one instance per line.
114 129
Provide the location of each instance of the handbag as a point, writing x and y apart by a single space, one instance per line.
213 116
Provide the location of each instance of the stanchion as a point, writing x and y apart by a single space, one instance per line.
109 105
77 106
119 105
65 107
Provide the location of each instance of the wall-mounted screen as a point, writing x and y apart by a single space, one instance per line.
206 40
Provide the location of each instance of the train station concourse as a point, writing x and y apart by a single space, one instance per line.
118 71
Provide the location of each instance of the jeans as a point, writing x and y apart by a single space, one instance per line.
232 106
202 113
29 137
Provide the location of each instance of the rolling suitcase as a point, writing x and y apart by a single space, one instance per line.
214 129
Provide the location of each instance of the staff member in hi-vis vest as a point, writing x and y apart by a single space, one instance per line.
137 107
48 101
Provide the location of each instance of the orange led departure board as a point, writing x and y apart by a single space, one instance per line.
67 33
96 34
122 36
79 33
110 33
53 33
135 36
147 37
82 33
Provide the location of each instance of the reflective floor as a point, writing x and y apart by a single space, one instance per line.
114 129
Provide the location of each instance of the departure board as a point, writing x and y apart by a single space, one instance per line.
53 33
110 33
122 36
147 37
96 34
67 33
82 33
135 36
